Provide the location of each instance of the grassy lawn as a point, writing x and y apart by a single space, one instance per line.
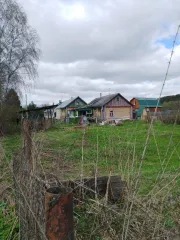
115 148
68 152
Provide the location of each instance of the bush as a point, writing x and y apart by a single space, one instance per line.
74 120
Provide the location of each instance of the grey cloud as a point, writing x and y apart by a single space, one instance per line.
123 31
114 46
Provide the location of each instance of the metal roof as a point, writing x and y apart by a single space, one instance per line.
146 102
149 102
67 102
139 111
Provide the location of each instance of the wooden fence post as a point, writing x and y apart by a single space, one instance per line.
59 214
27 145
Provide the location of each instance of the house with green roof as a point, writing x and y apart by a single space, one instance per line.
141 107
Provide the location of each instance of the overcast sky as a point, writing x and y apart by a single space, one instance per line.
100 46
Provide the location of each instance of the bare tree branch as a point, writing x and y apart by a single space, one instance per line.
19 52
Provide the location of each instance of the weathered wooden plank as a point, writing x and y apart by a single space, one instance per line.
113 184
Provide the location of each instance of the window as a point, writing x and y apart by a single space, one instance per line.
111 114
118 98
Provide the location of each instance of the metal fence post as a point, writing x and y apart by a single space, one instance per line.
59 214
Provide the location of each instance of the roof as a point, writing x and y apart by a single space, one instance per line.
101 101
146 102
39 108
149 102
67 102
139 111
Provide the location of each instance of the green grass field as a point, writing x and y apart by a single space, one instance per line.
117 149
70 153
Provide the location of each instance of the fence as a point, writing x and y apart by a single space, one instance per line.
40 124
169 117
45 206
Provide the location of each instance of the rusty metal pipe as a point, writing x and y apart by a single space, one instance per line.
59 214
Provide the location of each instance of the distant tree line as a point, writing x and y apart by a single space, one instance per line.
171 102
170 98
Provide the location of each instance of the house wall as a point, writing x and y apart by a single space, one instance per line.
58 113
120 107
118 101
97 112
144 114
49 113
135 103
63 113
118 112
151 109
76 103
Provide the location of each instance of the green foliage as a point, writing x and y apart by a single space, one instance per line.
12 98
9 112
9 227
86 223
171 105
170 98
34 114
74 120
31 106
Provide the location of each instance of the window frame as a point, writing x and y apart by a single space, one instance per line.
111 113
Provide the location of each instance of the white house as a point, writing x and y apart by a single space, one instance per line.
63 110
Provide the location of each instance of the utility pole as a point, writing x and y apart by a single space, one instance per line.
26 106
26 101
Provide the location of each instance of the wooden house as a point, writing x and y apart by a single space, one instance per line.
141 107
110 107
63 110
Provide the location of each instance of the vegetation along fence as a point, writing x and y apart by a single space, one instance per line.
45 205
169 117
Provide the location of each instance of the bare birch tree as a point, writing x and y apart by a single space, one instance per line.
19 52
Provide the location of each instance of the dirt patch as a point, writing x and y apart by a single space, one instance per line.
53 163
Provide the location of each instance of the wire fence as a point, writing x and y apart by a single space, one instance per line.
29 191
